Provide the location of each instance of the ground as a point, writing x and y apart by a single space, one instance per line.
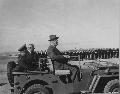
4 85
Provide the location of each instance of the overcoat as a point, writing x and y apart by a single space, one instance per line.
60 62
56 55
28 60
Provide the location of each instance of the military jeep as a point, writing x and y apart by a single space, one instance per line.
95 78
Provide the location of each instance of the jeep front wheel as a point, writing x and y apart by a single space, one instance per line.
36 89
112 86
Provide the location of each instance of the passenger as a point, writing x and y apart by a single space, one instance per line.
60 62
27 59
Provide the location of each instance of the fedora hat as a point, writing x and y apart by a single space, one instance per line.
52 37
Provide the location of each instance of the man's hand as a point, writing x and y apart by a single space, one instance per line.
67 56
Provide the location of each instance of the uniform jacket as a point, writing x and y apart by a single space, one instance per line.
28 60
55 54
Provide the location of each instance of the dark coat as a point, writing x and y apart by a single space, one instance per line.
59 59
28 61
60 62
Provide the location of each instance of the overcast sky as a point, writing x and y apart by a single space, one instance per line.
78 23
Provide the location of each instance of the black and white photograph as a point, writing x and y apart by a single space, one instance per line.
59 46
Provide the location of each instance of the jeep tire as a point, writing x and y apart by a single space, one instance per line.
10 66
112 86
36 89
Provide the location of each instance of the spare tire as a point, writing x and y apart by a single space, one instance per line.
112 86
10 66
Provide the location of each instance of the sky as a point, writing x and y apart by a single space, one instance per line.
77 23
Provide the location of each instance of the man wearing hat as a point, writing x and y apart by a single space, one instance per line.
60 62
22 50
12 66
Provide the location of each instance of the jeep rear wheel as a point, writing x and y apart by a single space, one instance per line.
36 89
112 86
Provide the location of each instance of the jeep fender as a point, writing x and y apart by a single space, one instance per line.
37 81
99 82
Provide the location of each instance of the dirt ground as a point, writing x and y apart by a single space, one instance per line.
4 84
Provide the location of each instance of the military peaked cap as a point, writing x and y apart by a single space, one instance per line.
22 48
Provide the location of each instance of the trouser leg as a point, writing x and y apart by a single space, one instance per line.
74 70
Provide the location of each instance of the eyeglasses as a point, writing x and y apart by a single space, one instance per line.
30 47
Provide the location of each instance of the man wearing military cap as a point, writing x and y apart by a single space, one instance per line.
22 50
60 62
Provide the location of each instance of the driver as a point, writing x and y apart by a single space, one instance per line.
60 62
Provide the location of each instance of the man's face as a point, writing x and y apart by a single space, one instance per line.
30 48
22 53
55 42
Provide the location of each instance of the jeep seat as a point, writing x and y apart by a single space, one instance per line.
62 72
57 72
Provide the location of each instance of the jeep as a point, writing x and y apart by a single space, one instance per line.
95 78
